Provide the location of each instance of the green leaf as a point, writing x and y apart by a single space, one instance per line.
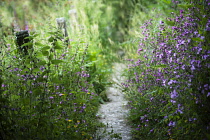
160 66
37 91
51 39
36 70
45 53
35 35
45 72
46 48
185 6
171 23
40 79
39 44
15 97
58 45
27 44
197 39
151 92
40 63
167 1
56 61
56 80
52 33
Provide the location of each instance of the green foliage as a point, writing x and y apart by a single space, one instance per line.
164 103
50 90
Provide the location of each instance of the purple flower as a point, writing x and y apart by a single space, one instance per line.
193 68
51 97
171 82
173 101
174 94
171 123
208 94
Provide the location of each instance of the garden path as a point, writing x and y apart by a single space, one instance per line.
114 112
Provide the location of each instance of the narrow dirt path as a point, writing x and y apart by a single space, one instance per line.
114 112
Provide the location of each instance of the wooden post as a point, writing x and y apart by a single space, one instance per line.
61 23
21 38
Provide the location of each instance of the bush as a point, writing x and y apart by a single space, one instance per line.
168 86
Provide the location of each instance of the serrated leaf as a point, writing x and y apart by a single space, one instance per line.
45 48
37 91
51 39
151 92
167 1
171 23
27 44
56 80
45 72
15 97
40 79
197 39
185 6
45 53
58 46
35 35
40 63
36 70
38 44
56 61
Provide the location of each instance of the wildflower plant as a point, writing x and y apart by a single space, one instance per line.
170 79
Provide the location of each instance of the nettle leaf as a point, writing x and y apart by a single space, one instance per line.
39 44
58 45
46 48
36 70
40 79
185 6
56 80
51 39
167 1
197 39
50 57
29 37
37 91
52 33
45 53
56 61
27 44
40 63
45 72
171 23
35 35
15 97
152 92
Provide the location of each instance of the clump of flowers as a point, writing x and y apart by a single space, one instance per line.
171 82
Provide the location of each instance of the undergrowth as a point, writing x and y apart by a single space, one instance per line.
168 83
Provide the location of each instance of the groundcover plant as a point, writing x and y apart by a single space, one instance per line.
169 85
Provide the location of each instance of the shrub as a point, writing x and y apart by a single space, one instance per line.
168 86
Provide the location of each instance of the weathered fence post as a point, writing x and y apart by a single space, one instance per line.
61 23
73 19
22 37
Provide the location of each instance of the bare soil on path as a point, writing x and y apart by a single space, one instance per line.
113 113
